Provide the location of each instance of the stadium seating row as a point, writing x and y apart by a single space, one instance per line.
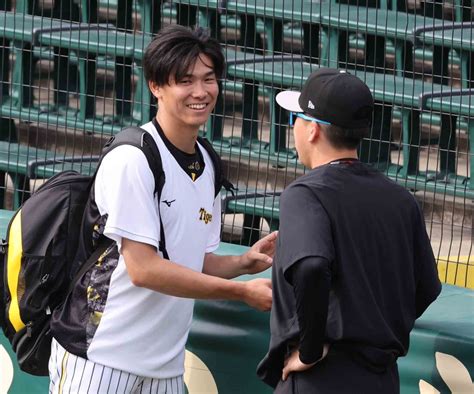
89 41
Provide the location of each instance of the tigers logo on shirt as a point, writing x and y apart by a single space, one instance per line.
205 216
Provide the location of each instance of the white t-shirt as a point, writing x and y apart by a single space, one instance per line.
143 331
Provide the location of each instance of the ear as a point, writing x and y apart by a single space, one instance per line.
314 132
155 90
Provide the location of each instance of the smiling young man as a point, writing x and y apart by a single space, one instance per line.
353 267
124 327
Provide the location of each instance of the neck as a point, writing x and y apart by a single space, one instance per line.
181 136
327 155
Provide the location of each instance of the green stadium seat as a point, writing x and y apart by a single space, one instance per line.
88 42
5 216
254 205
452 104
461 9
388 91
14 159
448 37
377 25
149 11
22 31
40 169
274 14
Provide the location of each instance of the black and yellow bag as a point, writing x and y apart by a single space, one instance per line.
50 246
40 264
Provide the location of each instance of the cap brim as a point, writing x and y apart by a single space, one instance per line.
289 100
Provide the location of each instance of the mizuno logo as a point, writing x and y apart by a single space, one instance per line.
168 203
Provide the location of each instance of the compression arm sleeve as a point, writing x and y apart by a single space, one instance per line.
311 280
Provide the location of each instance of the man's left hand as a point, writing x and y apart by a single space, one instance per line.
260 256
294 364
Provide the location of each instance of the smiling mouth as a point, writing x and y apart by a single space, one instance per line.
197 106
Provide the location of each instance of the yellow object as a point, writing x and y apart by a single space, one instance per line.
458 270
13 270
63 372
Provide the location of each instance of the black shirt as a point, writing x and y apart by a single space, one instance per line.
381 267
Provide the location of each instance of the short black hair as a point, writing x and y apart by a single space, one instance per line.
342 138
175 49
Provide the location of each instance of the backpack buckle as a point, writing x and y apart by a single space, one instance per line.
3 246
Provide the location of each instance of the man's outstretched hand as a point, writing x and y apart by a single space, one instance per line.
260 256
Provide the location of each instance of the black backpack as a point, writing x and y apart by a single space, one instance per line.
50 246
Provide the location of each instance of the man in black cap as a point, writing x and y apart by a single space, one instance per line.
354 266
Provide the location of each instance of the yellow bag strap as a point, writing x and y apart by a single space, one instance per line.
13 270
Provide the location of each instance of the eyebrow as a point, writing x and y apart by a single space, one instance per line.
212 72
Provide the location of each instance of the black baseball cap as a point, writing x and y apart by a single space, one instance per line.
334 96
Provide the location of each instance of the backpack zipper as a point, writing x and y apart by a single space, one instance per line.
29 329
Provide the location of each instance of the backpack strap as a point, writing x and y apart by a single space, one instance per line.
141 139
154 161
144 141
103 245
220 180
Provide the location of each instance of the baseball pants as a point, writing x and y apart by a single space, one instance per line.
71 374
340 373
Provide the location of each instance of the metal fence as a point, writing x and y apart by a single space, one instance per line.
71 77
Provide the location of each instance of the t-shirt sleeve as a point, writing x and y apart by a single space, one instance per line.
305 228
124 190
215 232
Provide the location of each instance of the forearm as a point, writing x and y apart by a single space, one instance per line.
227 267
256 259
175 280
311 282
147 269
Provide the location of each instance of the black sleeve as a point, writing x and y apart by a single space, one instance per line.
428 285
311 280
305 228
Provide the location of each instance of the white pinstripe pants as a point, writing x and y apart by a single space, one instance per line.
71 374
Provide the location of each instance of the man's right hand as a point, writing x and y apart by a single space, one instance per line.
258 294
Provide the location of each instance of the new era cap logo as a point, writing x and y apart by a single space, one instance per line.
310 104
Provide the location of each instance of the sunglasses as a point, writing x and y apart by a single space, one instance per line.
294 115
